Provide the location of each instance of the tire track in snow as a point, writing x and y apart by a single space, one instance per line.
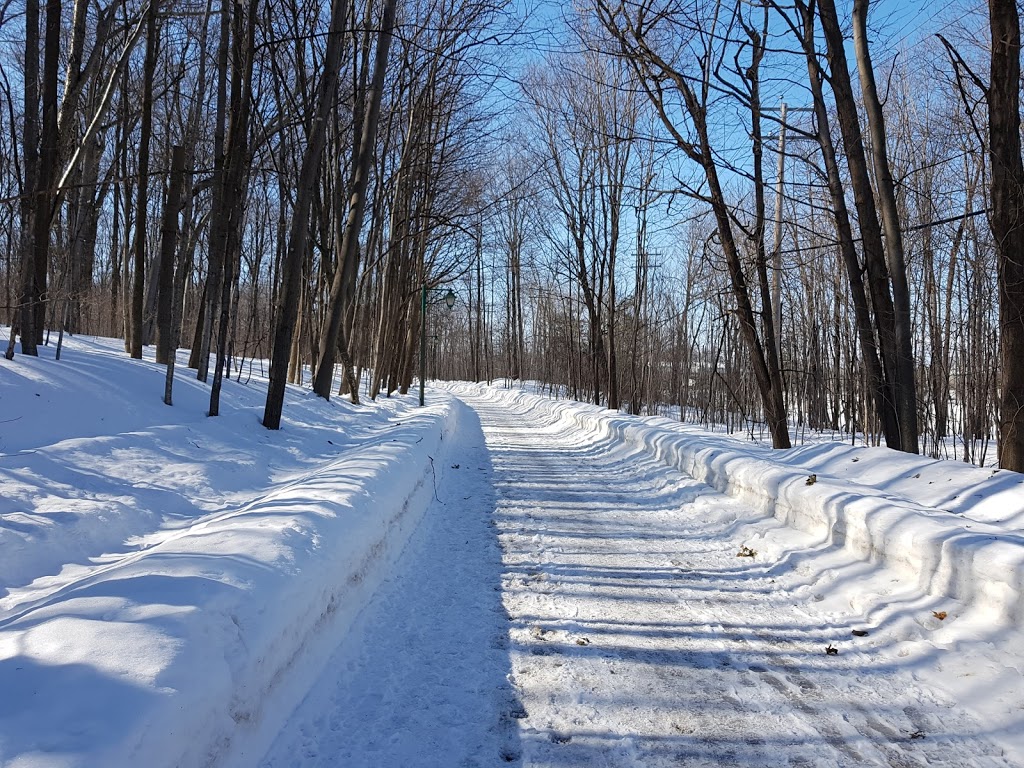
638 637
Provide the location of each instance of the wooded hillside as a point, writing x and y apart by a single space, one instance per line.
777 217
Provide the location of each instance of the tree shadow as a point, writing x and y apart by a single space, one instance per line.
570 509
34 690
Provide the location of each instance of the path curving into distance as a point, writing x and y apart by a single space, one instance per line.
572 602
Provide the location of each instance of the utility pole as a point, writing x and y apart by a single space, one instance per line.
777 245
784 110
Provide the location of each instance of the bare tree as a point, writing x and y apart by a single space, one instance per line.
906 393
288 301
227 232
344 277
1007 219
878 384
690 54
142 204
892 321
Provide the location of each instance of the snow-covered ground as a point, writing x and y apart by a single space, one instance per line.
169 581
495 579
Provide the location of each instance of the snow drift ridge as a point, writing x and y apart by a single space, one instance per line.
980 564
185 652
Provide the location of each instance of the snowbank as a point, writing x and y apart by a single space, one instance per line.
161 654
961 556
303 563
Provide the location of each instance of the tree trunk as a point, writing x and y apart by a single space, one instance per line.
867 214
768 378
36 258
906 392
142 204
1007 220
344 276
168 247
877 385
218 224
232 191
30 155
48 149
168 312
308 176
88 202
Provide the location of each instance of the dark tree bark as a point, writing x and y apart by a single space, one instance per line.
36 256
344 277
30 155
167 312
85 205
349 268
884 405
142 200
228 231
1007 220
48 149
291 269
906 400
166 341
215 251
870 230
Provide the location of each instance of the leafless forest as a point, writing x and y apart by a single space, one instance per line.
778 218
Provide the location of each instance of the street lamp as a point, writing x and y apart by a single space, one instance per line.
449 301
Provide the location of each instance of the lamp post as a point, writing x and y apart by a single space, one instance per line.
449 301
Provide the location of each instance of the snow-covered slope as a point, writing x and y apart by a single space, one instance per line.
171 585
166 576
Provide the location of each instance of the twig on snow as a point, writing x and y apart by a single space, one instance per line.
434 475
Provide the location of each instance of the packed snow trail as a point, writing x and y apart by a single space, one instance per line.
422 679
630 631
639 638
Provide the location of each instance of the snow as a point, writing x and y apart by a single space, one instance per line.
497 578
164 579
421 679
955 529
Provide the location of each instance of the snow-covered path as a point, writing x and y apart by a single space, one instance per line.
620 628
640 638
422 679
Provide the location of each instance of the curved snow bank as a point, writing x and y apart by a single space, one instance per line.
978 563
161 657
